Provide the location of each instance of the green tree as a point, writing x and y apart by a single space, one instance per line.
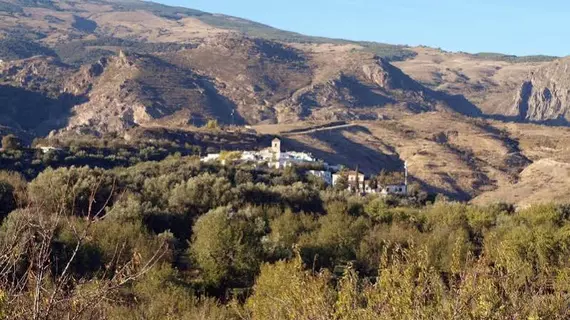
226 247
212 124
78 191
341 183
159 295
243 177
335 241
201 194
286 230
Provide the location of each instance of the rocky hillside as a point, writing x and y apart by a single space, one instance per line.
98 67
544 96
104 66
526 91
71 67
488 81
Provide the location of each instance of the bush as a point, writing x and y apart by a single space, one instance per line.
226 247
286 291
73 191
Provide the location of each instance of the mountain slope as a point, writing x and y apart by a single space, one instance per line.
73 67
268 76
489 84
133 90
231 78
544 96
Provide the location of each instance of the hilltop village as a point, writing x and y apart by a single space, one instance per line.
333 175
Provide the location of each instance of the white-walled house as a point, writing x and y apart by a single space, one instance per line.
211 157
327 176
46 149
396 189
354 179
369 187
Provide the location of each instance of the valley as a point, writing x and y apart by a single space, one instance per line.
471 126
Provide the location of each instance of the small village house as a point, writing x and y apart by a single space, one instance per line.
370 187
400 190
327 176
354 178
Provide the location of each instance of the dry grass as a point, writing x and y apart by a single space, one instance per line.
491 85
326 47
548 178
449 154
147 26
544 181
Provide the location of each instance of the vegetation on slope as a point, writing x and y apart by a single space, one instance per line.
161 10
181 239
17 48
17 5
512 58
80 52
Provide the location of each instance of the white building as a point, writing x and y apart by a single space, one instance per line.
211 157
396 189
355 179
327 176
369 187
250 156
335 178
278 159
48 149
276 148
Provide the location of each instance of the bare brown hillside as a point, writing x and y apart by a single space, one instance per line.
492 85
199 66
231 78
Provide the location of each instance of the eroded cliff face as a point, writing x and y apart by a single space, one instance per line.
545 95
233 79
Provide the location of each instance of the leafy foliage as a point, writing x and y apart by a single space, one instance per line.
169 12
247 243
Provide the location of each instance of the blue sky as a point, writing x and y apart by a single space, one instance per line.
521 27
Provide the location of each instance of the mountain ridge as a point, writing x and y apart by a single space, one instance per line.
122 68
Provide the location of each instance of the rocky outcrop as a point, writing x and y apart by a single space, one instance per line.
132 90
233 79
545 95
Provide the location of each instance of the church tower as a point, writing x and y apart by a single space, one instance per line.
276 145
